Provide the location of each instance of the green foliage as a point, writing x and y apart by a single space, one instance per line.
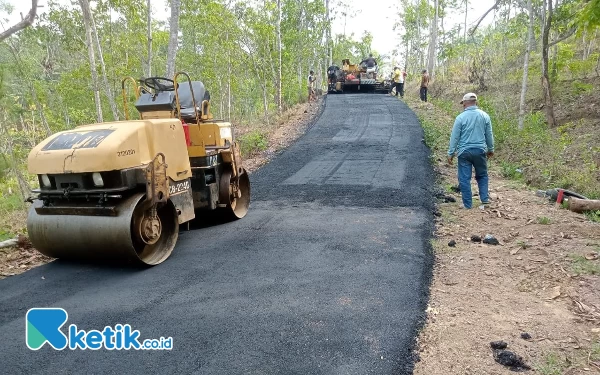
435 136
253 142
539 152
589 18
553 365
232 47
582 266
5 235
580 87
593 216
509 170
543 220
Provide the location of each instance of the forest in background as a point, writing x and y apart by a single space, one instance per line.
535 65
65 69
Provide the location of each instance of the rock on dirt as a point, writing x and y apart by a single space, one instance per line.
510 360
452 243
475 238
525 336
498 345
491 240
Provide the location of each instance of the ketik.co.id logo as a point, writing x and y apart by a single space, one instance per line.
42 325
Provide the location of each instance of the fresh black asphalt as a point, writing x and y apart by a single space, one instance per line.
327 274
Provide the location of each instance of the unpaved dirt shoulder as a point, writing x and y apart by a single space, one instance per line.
541 280
289 126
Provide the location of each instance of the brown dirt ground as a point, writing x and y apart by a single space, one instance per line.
287 128
530 283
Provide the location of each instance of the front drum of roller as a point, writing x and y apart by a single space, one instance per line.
103 239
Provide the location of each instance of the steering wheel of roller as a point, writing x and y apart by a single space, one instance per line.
160 83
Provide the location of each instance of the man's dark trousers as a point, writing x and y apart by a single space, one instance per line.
424 94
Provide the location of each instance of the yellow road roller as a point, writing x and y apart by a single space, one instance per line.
118 191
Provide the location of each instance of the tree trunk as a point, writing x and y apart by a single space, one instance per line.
526 64
15 54
173 37
228 80
329 42
87 17
466 13
149 37
581 205
24 187
592 42
107 90
279 49
406 55
433 40
546 87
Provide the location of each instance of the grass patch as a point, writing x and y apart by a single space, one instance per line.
5 235
10 202
510 171
253 142
10 206
441 246
595 352
537 156
448 217
553 365
582 266
543 220
593 216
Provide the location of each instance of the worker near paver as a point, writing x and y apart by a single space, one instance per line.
472 141
370 61
424 85
398 82
400 86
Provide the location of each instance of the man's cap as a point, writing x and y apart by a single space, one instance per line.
468 97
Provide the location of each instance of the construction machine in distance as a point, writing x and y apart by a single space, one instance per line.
118 191
355 78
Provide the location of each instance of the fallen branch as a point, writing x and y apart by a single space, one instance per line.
566 36
27 21
474 28
581 205
9 243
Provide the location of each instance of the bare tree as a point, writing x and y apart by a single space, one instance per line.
107 90
173 37
433 39
149 36
24 187
466 13
87 22
25 22
526 64
329 42
547 89
279 48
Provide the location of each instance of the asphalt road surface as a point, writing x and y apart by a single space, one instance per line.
327 274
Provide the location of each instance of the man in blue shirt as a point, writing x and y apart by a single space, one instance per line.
472 140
